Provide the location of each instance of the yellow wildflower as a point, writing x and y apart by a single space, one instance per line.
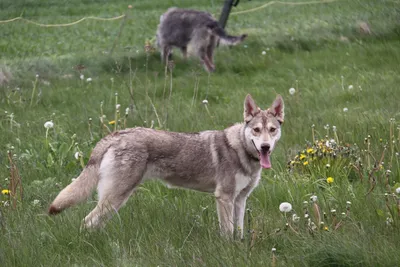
329 180
5 192
302 156
111 122
326 228
305 163
310 151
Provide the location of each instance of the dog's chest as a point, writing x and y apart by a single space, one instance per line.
244 182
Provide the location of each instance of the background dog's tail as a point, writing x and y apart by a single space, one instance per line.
224 37
77 191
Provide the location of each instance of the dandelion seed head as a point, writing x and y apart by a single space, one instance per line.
36 202
285 207
350 87
398 190
327 165
345 109
313 198
273 250
348 203
48 124
77 155
263 53
89 80
82 77
117 107
205 102
126 111
292 91
37 76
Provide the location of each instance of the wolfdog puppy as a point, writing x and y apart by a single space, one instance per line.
198 29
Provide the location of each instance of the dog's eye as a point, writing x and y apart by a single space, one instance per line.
272 129
257 130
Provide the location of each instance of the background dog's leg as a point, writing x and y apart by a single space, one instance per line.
210 51
225 213
184 52
240 206
165 54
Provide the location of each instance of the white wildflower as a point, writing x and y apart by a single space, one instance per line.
126 111
77 155
327 165
313 198
263 53
345 109
350 87
37 75
117 106
295 218
36 202
333 211
348 203
89 80
334 128
205 101
273 250
82 77
48 124
398 190
285 207
292 91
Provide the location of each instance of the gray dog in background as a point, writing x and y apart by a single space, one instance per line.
198 29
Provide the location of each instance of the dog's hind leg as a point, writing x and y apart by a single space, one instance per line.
117 182
205 60
210 51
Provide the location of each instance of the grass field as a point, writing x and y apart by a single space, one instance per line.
343 75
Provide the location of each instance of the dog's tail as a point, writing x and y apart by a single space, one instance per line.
77 191
224 37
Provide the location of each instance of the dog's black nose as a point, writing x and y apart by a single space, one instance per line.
265 148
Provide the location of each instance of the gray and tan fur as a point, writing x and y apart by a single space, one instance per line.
182 28
226 163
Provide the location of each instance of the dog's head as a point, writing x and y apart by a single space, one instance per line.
263 128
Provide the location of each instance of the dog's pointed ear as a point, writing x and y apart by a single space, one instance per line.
277 109
250 108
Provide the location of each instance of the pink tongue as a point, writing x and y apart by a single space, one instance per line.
264 160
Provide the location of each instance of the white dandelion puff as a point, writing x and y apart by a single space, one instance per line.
89 80
292 91
285 207
77 155
205 101
313 198
36 202
117 106
82 77
126 111
345 109
398 190
263 53
48 124
350 87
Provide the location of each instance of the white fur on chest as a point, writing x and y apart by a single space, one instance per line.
242 182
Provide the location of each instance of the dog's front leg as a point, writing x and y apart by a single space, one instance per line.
225 213
240 206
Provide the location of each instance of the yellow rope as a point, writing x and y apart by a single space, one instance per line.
282 3
60 25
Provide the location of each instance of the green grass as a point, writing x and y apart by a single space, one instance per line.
317 49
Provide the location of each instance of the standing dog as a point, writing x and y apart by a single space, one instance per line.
227 163
199 30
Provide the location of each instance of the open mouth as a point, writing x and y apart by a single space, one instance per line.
264 155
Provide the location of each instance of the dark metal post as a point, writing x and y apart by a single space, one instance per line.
226 10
